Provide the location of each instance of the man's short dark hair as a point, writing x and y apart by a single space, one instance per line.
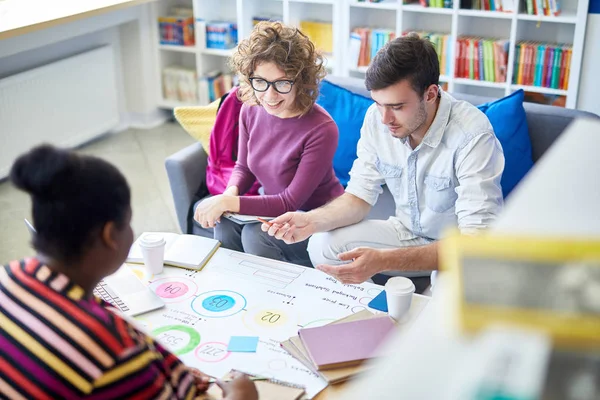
407 57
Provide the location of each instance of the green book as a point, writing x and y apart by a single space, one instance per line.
471 58
556 67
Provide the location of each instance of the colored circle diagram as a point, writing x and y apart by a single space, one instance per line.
218 304
276 323
174 290
180 339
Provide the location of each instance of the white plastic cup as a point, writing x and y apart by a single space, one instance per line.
399 292
153 252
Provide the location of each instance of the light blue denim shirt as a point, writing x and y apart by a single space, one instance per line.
452 179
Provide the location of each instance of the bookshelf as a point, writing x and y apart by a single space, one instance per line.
345 15
515 27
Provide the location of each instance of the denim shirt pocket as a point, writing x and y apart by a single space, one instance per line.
439 193
391 174
388 170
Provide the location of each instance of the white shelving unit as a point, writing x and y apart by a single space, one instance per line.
344 15
242 11
567 28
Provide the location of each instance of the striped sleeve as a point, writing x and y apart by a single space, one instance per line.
144 371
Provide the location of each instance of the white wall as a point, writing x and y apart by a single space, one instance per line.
589 84
127 30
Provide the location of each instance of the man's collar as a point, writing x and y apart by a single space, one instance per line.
436 130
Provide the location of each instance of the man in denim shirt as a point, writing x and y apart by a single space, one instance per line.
438 156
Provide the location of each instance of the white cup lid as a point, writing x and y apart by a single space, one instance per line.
399 285
152 240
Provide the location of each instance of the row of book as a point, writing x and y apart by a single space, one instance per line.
542 7
215 84
366 42
443 46
432 3
542 64
489 5
180 84
481 59
183 85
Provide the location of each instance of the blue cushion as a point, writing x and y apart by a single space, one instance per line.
348 111
508 118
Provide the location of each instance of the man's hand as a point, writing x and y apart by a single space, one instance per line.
291 227
210 210
240 388
365 262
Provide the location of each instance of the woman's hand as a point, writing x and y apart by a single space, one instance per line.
201 380
209 212
239 388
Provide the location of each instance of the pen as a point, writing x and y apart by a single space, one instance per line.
264 221
252 378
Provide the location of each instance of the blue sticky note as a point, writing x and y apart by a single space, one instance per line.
243 344
379 302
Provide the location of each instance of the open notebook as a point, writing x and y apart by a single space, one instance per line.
185 251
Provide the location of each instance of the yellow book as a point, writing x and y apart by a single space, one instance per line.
544 284
320 33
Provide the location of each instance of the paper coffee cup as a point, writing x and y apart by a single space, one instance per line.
399 292
153 252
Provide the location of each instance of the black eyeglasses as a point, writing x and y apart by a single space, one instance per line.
283 86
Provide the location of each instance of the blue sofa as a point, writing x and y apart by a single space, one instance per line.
186 169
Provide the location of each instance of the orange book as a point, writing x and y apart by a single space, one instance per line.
521 63
568 69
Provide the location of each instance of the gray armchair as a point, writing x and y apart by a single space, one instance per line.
186 171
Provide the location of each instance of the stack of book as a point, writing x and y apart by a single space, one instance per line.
178 28
180 84
542 64
481 59
338 350
221 35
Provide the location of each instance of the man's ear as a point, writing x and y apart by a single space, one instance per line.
432 93
109 235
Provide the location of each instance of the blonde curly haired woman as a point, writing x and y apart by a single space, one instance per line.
287 142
